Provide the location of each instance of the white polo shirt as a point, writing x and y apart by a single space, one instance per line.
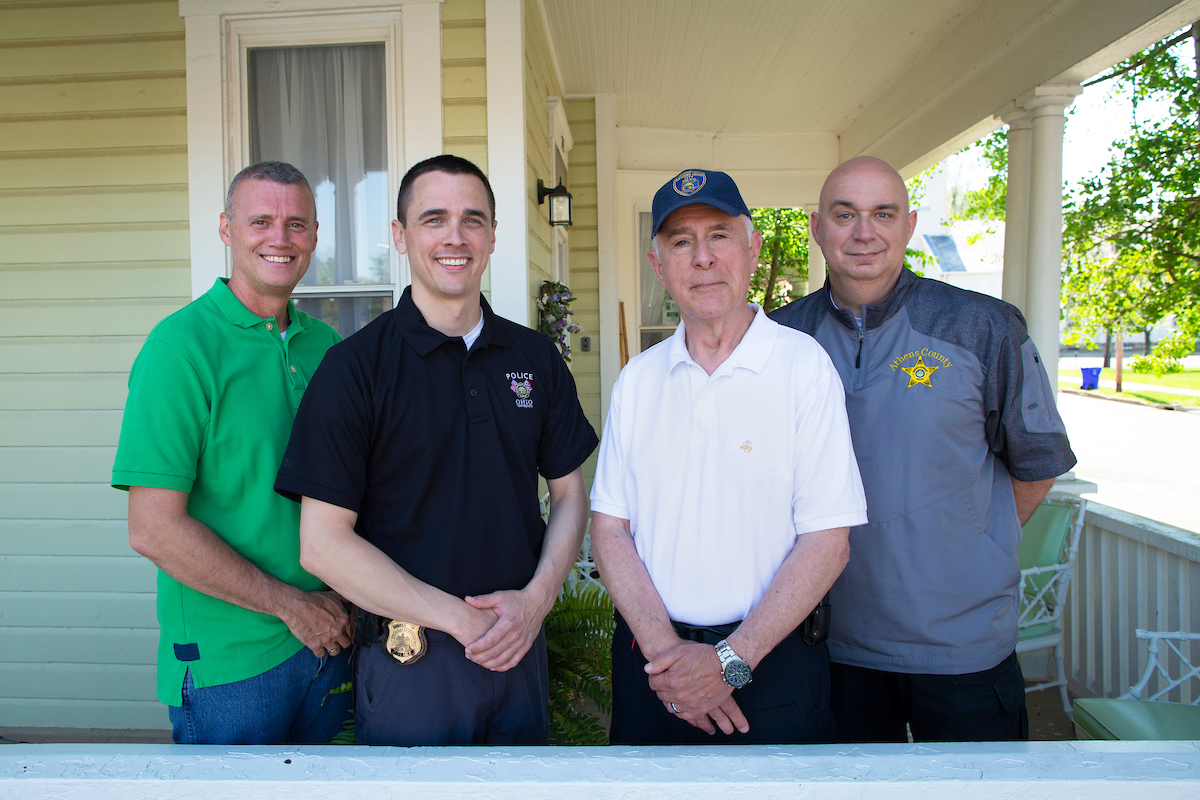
718 474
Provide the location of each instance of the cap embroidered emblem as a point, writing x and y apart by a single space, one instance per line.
919 373
746 446
688 183
523 389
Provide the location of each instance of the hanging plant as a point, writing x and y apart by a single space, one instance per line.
555 316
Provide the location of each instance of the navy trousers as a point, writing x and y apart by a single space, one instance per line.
873 706
787 702
445 699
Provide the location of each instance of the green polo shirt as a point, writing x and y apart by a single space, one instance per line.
212 396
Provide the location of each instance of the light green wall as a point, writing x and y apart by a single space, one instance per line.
93 252
585 262
540 84
464 87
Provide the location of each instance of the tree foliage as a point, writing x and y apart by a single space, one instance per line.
1141 214
783 261
987 203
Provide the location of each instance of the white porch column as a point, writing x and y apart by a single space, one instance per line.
606 232
1044 283
816 259
505 42
1016 205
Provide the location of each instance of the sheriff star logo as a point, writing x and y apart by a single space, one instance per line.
918 373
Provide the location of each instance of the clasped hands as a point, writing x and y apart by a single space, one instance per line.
505 628
689 676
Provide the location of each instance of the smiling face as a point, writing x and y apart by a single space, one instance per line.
864 225
704 258
271 231
448 235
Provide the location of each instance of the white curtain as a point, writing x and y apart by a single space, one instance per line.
322 110
652 289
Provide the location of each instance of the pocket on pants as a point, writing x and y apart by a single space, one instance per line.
1010 687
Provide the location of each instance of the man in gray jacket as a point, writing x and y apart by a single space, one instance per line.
958 440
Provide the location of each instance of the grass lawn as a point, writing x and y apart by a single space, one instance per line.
1149 397
1188 379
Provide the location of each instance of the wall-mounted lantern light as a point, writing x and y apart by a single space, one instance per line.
560 202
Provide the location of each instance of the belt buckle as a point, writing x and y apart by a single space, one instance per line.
406 642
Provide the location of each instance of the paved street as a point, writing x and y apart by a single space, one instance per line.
1145 460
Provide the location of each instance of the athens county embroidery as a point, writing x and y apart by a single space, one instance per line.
920 373
522 386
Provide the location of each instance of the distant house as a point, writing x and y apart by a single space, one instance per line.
121 121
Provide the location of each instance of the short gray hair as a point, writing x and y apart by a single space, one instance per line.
274 171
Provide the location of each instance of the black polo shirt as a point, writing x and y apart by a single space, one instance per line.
438 449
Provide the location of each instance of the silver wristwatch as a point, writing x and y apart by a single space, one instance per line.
734 669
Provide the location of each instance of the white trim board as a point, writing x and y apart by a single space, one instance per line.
1095 770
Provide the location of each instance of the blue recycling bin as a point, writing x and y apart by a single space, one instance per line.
1091 377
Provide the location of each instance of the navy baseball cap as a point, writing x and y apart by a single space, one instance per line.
691 186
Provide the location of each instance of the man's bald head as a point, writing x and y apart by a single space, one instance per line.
863 226
860 169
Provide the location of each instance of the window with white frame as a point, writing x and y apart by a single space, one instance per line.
349 91
658 313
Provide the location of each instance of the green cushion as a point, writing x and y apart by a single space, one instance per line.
1034 631
1102 718
1042 537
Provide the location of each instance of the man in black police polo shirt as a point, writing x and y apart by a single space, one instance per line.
416 451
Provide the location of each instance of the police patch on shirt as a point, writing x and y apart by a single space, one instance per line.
690 182
920 373
522 385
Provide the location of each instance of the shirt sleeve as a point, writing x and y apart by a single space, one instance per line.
326 455
567 438
608 485
1023 425
827 491
166 417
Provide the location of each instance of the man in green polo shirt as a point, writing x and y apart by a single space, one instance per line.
251 645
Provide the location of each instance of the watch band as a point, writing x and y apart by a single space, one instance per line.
734 669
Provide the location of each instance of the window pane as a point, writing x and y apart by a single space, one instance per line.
322 109
346 314
659 314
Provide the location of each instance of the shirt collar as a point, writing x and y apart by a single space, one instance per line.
425 339
874 316
751 353
238 314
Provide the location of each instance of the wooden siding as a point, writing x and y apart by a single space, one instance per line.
540 84
585 263
93 252
464 87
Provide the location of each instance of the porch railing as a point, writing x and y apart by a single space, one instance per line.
1131 572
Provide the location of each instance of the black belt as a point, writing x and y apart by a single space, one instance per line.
814 628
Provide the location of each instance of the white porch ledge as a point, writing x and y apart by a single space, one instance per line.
1097 770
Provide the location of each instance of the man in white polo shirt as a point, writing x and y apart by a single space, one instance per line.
723 498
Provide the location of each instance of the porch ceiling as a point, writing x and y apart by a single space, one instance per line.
903 80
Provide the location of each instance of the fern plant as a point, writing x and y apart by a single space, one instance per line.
579 631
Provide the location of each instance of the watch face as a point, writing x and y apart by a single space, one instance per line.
737 673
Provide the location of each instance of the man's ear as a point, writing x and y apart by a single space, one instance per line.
223 229
398 237
912 226
652 257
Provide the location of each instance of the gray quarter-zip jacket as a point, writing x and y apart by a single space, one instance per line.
947 398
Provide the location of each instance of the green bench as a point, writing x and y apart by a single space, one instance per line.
1138 715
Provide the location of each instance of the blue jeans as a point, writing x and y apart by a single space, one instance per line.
290 704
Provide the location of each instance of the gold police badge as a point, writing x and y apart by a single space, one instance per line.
406 642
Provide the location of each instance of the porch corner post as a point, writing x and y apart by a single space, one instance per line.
1044 283
816 258
505 47
1016 205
